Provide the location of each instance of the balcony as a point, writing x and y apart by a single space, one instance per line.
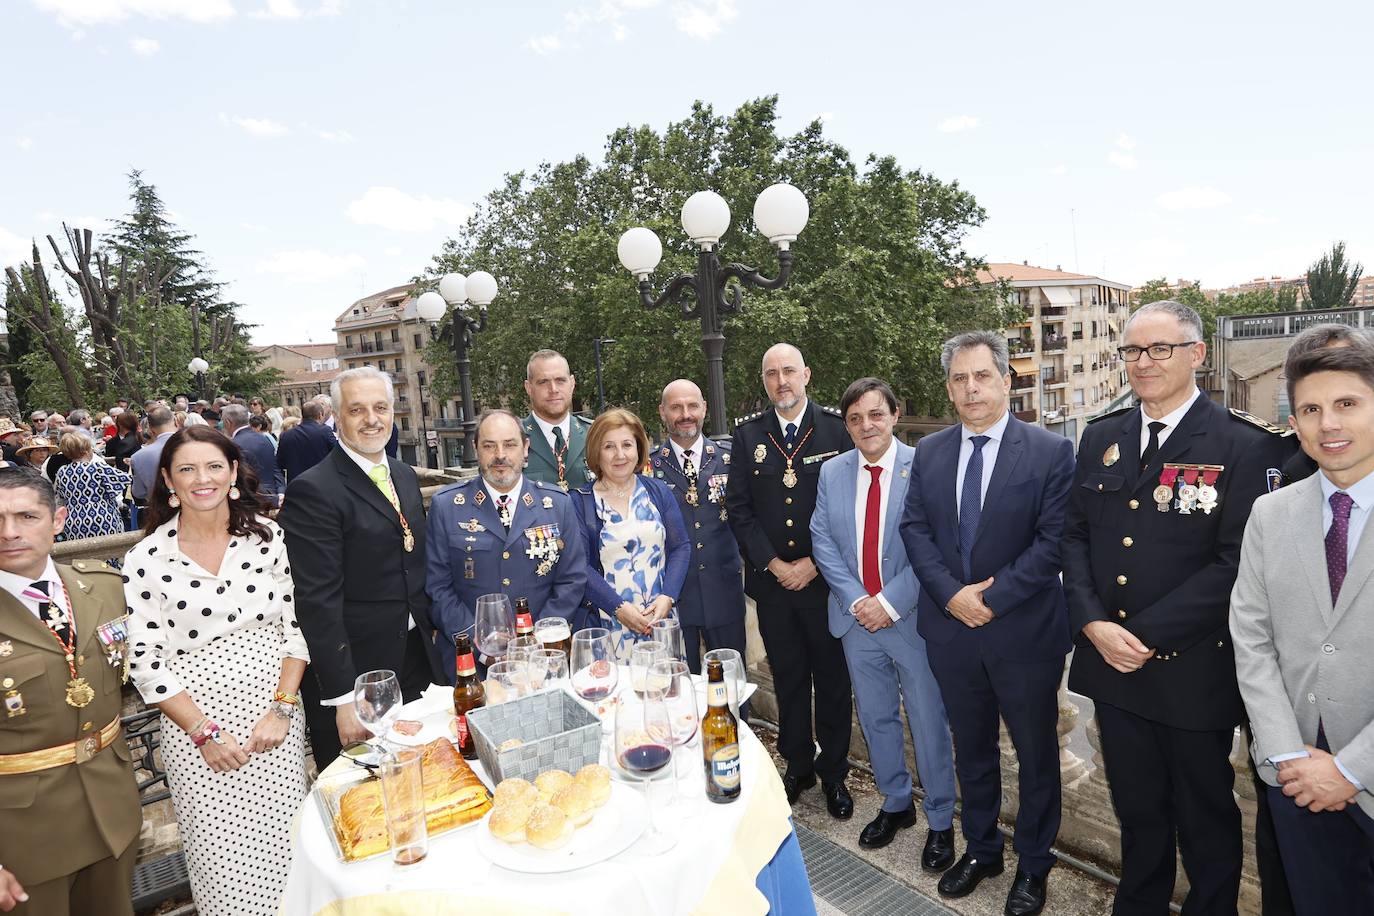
371 348
1020 347
1055 379
1026 416
1023 383
1053 312
399 378
443 423
1054 343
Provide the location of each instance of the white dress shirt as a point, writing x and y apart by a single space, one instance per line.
995 432
1170 420
698 450
15 585
801 412
547 429
888 462
513 493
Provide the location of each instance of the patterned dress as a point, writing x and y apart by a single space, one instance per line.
632 555
93 492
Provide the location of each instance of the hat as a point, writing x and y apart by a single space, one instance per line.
36 442
7 427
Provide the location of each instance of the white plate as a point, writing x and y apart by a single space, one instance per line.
615 826
431 727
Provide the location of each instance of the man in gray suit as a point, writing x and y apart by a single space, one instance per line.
1303 642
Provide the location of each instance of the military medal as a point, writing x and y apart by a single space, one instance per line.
471 525
459 499
14 704
789 475
469 568
79 693
407 538
1110 456
114 636
408 541
1207 498
548 502
760 453
692 497
6 648
722 515
478 499
1164 493
1187 494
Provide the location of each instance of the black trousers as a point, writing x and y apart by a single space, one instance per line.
1275 898
1172 791
977 688
730 636
324 730
805 658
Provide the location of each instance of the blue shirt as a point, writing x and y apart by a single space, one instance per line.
995 432
1362 492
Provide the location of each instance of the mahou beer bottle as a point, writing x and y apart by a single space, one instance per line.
719 739
467 695
524 620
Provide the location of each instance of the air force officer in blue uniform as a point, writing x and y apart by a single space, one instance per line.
872 610
501 532
696 469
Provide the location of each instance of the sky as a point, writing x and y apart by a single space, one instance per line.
321 150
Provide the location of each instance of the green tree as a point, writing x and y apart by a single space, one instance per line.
1248 303
881 275
1331 280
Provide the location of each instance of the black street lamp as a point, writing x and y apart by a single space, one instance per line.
780 213
598 343
199 367
478 289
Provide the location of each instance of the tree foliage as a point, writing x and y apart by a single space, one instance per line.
881 275
1246 303
1331 280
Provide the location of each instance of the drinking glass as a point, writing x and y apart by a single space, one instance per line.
642 657
507 680
403 799
673 679
643 746
734 675
548 667
494 625
377 699
593 664
520 648
669 632
554 633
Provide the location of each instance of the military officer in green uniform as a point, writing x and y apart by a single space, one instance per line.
558 437
70 805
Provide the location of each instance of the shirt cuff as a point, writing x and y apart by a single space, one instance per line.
1280 758
887 606
338 701
856 604
1349 776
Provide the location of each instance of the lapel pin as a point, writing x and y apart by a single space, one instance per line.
1110 456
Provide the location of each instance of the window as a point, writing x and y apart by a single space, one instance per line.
1078 330
377 338
400 366
289 401
352 364
381 364
418 344
405 424
1078 366
367 362
420 377
348 341
424 408
395 335
1078 397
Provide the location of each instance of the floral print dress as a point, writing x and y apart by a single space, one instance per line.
632 554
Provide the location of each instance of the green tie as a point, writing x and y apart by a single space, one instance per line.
379 476
558 443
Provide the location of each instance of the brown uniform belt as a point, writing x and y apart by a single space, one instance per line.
62 755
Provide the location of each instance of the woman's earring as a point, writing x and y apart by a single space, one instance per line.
233 492
174 501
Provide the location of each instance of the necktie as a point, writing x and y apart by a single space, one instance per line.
51 614
559 443
971 504
872 567
377 473
503 509
560 448
1336 541
789 435
689 468
1153 445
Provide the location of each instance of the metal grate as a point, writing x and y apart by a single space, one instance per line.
856 888
160 879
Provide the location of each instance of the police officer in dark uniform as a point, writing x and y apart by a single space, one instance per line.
1152 542
696 469
529 549
776 457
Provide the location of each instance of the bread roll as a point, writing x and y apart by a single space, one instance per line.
516 790
550 781
575 801
597 780
507 822
548 827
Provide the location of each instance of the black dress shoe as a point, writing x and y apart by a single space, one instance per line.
961 880
838 800
794 786
884 827
939 850
1027 895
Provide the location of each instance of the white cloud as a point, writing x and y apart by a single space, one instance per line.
311 266
1060 169
394 209
704 21
957 123
280 9
258 127
1260 218
333 136
544 44
392 251
74 13
619 32
1193 199
253 227
13 249
24 142
825 117
1122 160
144 47
1124 141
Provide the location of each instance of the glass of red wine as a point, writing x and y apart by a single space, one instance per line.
643 746
593 664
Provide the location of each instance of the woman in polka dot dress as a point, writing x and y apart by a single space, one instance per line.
214 640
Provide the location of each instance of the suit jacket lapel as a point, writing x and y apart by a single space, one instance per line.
85 608
18 622
1128 445
363 487
577 445
1194 423
947 479
896 493
847 494
539 443
1008 453
1309 542
1356 576
521 514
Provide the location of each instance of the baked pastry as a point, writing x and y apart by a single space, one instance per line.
575 801
548 827
507 822
550 781
453 796
597 780
508 744
516 791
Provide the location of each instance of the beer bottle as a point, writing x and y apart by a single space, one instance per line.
524 620
719 739
467 695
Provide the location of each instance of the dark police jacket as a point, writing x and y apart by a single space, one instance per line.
1165 576
769 518
713 594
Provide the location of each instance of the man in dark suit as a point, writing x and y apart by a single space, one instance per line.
1151 545
777 456
558 437
355 534
304 446
257 451
696 469
984 518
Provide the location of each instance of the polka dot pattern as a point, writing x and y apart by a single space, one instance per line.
1337 538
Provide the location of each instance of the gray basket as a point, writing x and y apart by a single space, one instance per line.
557 734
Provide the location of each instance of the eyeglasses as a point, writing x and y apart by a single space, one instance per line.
1158 351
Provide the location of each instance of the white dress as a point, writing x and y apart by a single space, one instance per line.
222 638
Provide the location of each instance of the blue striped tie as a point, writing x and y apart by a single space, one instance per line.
971 504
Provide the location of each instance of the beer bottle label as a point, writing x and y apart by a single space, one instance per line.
524 621
466 665
460 727
725 767
715 694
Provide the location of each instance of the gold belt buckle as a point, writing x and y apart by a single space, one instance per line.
87 748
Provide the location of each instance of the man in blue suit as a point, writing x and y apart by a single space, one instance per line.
983 520
305 445
872 611
501 532
257 450
696 469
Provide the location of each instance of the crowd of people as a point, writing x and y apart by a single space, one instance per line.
951 579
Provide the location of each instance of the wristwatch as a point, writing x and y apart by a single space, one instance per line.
282 710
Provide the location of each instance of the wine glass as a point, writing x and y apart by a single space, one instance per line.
548 667
494 625
643 746
507 680
673 679
733 665
642 657
520 648
669 632
593 664
377 699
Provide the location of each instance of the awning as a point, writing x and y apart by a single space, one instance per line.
1058 295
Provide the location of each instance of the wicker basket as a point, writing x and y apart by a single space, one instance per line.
556 732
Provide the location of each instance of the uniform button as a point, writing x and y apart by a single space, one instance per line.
1099 488
1127 542
7 683
1121 614
1328 648
701 566
756 473
788 523
505 582
700 545
86 726
698 524
1311 698
1120 580
791 543
785 499
1220 643
505 554
1134 504
1175 655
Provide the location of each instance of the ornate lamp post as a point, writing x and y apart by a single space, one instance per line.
598 343
478 289
199 367
780 213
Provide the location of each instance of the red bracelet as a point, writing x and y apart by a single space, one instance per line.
208 732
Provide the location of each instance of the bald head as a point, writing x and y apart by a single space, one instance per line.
683 412
784 351
785 377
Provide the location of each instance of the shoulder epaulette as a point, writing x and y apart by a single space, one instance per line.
583 418
831 410
95 566
548 486
1262 423
753 416
1113 413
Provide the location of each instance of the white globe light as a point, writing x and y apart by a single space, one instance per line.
705 217
453 287
431 306
481 288
198 365
781 213
640 251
